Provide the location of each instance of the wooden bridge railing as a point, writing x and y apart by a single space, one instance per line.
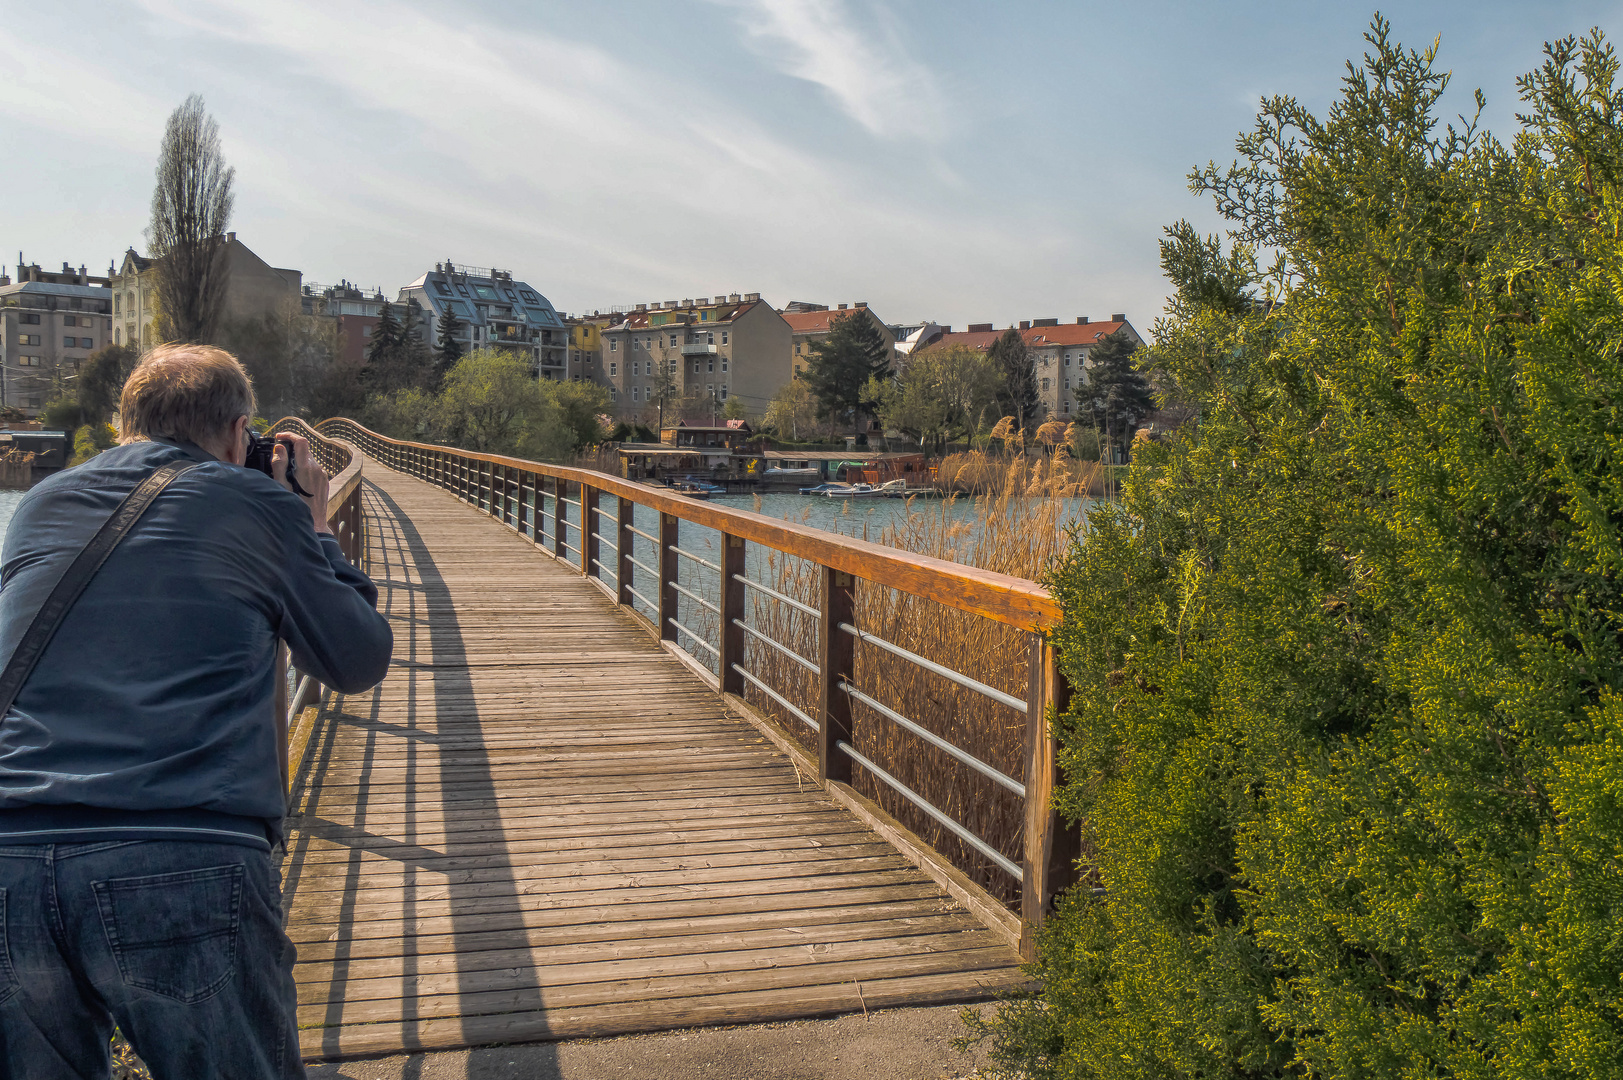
526 495
298 694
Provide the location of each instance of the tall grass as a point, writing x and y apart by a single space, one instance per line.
1019 527
978 473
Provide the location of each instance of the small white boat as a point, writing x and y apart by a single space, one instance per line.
868 491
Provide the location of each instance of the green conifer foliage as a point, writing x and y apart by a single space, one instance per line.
1117 396
450 343
840 365
1347 733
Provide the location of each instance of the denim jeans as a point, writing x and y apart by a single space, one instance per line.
181 943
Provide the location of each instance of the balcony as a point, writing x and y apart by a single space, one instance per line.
698 350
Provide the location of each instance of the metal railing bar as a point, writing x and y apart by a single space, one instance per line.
1013 869
571 547
695 558
601 569
930 665
694 635
778 645
645 569
776 595
605 542
647 603
651 539
775 696
936 741
701 601
568 524
567 502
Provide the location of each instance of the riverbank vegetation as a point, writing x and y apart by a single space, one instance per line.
1346 742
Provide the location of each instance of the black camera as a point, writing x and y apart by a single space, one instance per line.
260 451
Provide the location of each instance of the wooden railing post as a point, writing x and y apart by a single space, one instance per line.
588 529
1051 850
732 607
837 656
623 537
668 595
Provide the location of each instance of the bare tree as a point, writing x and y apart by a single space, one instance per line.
191 207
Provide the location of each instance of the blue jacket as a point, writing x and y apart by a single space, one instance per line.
152 713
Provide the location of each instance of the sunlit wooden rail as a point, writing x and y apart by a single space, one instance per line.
551 820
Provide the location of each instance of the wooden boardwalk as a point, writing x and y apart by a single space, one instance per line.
541 825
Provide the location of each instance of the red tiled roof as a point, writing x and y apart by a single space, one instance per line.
814 322
1037 336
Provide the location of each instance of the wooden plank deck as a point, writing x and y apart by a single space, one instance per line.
543 826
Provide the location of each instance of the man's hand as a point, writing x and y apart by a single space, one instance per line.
311 476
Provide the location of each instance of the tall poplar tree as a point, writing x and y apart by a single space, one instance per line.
191 207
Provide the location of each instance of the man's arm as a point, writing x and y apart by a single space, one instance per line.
333 631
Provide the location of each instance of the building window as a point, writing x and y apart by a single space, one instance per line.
634 393
28 361
614 344
1067 359
636 367
71 320
116 298
712 366
797 348
724 337
724 363
710 338
673 341
648 343
613 368
118 336
29 318
1045 385
28 339
724 391
695 367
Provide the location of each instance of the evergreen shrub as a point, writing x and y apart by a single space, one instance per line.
1346 741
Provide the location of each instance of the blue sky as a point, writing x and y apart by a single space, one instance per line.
952 161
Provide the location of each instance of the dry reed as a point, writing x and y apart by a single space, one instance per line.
1017 530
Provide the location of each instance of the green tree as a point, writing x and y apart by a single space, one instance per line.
581 404
491 403
734 409
792 412
1346 731
383 348
1117 396
944 394
839 366
450 343
1017 394
101 380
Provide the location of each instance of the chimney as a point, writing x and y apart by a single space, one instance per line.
842 307
231 238
751 297
1118 317
703 301
1045 322
642 307
1025 324
1081 320
862 304
980 328
670 305
732 298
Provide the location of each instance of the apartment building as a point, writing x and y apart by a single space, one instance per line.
586 343
1058 352
358 314
496 312
50 322
810 323
703 353
253 289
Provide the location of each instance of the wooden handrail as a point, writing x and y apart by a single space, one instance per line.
296 712
1004 598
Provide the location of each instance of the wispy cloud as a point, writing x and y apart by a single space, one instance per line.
858 60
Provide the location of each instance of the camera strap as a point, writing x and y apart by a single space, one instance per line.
77 576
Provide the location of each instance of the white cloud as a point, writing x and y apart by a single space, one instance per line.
859 62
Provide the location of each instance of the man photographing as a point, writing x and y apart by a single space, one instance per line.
141 799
